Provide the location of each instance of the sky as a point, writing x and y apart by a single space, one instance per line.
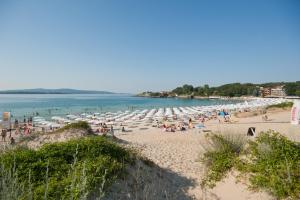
147 45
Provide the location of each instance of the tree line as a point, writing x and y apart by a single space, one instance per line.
236 89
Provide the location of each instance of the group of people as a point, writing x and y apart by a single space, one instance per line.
16 128
4 135
222 116
181 126
104 129
25 121
173 127
23 128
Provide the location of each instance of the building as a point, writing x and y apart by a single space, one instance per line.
264 92
272 92
278 92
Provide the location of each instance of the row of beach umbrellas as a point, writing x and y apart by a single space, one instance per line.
123 117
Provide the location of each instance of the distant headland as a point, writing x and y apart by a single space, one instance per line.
53 91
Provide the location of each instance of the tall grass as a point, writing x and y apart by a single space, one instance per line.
69 170
78 125
271 162
221 154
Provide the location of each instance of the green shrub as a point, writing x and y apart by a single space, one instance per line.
221 155
274 164
78 125
271 161
68 170
281 105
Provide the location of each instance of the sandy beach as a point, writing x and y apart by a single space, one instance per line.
176 155
180 151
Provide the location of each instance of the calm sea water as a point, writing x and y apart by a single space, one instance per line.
59 105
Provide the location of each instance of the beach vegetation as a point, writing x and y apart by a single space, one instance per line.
184 90
26 138
221 155
273 164
75 169
228 90
270 162
292 88
283 105
78 125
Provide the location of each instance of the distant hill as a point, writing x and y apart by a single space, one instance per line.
53 91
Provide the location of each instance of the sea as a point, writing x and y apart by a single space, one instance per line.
48 105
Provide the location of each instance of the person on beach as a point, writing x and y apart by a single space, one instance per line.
190 123
27 130
265 118
203 120
3 135
112 131
173 128
101 129
12 141
166 127
17 131
16 123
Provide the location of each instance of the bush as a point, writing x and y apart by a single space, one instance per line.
283 105
271 162
221 155
274 165
78 125
69 170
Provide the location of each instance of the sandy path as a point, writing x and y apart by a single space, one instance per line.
179 153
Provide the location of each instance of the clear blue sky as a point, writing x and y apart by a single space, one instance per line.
137 45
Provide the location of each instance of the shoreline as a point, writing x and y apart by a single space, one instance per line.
48 105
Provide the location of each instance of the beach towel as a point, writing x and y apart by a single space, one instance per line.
199 126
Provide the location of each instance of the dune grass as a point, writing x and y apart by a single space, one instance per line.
271 163
75 169
222 152
78 125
